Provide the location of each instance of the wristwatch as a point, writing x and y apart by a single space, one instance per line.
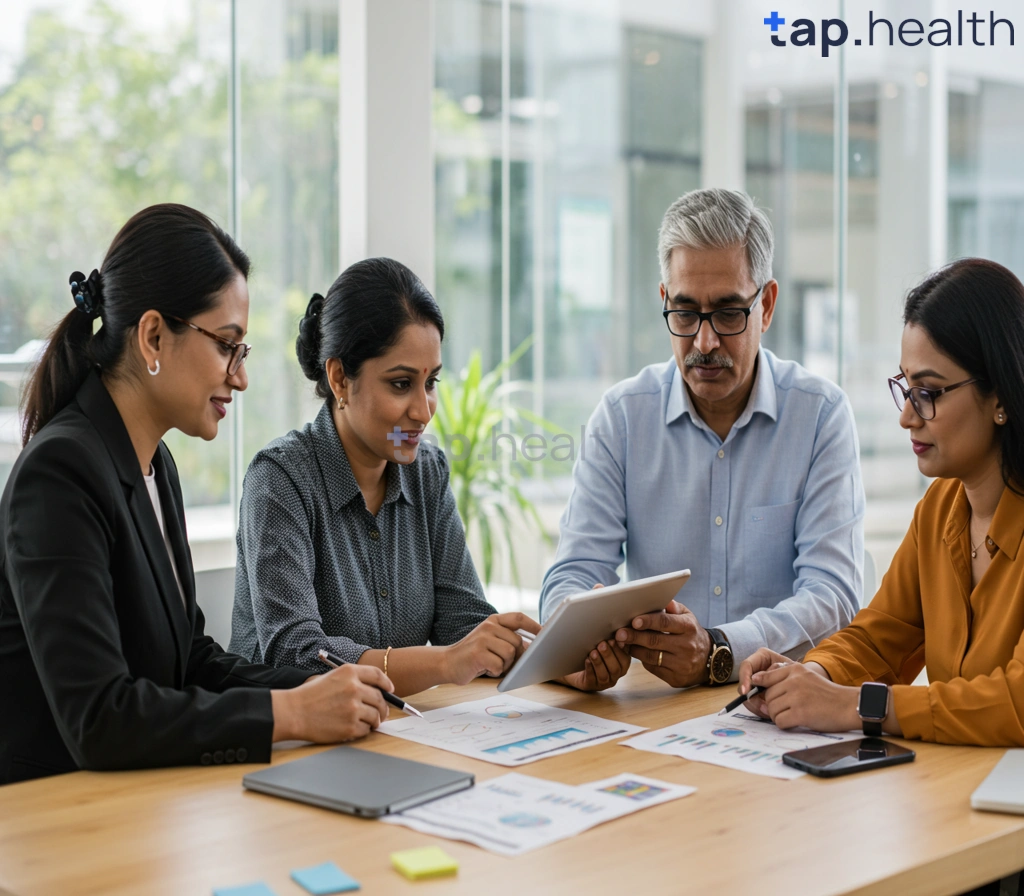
873 707
719 666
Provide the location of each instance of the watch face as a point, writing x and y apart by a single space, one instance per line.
721 665
874 700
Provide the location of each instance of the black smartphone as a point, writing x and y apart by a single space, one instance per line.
848 757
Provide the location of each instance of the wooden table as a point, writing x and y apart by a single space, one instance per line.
901 830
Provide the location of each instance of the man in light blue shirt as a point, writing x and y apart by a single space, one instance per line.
725 460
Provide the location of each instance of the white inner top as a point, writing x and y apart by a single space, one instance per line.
154 496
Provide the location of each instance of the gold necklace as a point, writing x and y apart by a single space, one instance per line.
974 548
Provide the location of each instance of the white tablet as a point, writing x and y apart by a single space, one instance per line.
583 620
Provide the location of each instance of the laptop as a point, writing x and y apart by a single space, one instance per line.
1003 789
357 782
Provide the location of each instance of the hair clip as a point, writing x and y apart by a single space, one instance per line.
87 292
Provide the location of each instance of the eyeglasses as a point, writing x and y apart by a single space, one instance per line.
239 350
724 321
923 400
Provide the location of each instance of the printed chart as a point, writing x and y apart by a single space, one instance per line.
508 731
515 813
744 742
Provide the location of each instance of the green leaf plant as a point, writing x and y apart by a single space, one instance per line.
485 482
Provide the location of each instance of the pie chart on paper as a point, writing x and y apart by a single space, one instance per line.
503 712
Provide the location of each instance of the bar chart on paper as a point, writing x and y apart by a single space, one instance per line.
507 730
740 741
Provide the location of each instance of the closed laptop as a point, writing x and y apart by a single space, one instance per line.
1003 789
358 782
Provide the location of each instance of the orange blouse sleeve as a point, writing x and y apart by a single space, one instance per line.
885 640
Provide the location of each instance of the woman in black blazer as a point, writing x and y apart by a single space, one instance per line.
103 659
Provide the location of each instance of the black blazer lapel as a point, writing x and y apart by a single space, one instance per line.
99 407
174 520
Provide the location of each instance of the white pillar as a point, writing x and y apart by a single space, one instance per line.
386 56
722 138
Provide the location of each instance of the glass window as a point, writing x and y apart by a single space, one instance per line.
105 108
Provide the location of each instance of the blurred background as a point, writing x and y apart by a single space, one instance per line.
518 155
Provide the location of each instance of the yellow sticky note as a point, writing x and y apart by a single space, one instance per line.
430 861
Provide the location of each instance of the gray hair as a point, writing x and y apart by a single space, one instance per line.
718 219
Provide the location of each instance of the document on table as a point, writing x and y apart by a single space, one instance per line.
741 741
507 730
515 813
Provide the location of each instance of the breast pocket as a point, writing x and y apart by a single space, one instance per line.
768 549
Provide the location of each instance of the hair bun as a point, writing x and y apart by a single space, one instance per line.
307 345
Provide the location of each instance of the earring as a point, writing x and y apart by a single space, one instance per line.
341 403
153 372
1000 417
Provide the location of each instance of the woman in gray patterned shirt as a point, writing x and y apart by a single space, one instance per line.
349 537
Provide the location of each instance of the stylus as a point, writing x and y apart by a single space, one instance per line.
335 661
525 635
742 698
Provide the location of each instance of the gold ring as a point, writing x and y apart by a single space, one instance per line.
661 653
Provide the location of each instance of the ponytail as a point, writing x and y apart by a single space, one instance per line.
59 374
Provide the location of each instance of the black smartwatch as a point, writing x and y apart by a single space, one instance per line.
873 707
719 667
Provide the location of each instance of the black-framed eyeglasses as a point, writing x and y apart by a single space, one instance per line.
922 400
239 350
724 321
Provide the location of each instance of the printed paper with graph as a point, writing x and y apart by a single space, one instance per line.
741 741
507 730
515 813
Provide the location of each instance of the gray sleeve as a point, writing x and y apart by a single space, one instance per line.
829 564
459 601
593 526
275 530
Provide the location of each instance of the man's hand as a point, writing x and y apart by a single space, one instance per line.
606 664
671 644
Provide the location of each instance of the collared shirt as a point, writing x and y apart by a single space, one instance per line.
317 570
928 614
769 520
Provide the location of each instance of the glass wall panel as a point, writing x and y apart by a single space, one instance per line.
288 51
105 108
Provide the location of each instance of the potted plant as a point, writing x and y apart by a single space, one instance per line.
486 484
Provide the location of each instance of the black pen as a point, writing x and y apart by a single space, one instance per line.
335 661
742 698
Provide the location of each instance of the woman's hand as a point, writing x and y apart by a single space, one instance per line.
606 664
761 661
491 648
343 704
799 695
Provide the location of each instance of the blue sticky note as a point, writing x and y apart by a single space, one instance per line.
323 879
258 888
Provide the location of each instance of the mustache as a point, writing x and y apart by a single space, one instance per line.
699 359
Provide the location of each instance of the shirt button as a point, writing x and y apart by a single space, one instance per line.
374 534
383 592
718 521
718 589
241 754
990 542
721 453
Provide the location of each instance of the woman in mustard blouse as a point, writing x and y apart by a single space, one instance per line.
953 598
